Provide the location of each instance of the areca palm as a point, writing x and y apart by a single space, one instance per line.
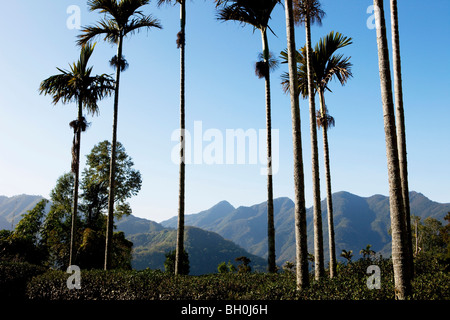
79 86
400 254
257 14
367 252
401 132
308 12
301 248
122 18
347 255
327 65
181 41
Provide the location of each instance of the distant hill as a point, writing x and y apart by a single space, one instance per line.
358 221
206 249
151 241
12 208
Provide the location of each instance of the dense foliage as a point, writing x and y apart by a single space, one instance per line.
432 282
43 238
14 278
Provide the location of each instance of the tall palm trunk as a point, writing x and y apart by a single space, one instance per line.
398 222
180 230
112 167
326 153
318 235
401 132
270 218
76 172
302 277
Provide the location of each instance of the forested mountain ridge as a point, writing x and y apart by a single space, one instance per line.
12 208
358 221
223 232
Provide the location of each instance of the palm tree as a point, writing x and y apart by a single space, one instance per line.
398 224
77 85
367 252
347 255
302 276
401 134
121 19
326 66
257 14
181 41
308 12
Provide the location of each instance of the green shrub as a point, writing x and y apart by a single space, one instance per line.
349 284
14 277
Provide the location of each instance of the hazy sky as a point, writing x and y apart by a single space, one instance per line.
222 95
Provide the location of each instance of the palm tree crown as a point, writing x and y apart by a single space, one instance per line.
326 64
254 12
77 84
308 9
121 18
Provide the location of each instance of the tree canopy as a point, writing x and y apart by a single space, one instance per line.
44 238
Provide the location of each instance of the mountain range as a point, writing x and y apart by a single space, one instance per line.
358 221
223 232
12 208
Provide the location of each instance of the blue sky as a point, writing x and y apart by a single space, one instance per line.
223 93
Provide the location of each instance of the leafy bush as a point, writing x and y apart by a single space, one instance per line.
14 277
349 284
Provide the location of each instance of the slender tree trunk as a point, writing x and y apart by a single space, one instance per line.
299 179
417 237
326 153
398 223
318 233
401 132
76 181
270 218
112 167
180 230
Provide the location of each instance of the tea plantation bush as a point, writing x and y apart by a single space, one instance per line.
14 277
350 284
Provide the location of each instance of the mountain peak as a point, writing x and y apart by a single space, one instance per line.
223 205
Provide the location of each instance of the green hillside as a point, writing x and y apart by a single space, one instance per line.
12 208
358 221
206 250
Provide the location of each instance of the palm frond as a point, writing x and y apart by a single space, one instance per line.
254 12
122 18
239 14
325 63
302 73
104 6
338 67
108 28
308 9
129 8
136 24
78 84
58 86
